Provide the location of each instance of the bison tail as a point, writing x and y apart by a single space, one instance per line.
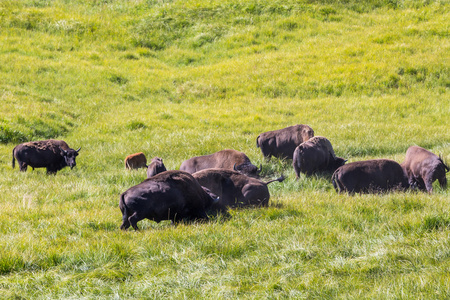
124 209
333 181
446 166
279 179
13 159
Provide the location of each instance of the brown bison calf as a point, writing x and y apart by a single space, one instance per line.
136 161
424 167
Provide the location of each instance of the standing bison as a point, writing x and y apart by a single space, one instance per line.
136 161
51 154
235 189
226 159
156 166
316 154
171 195
376 175
282 143
424 167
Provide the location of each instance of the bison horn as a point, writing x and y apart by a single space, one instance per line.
234 168
78 150
260 168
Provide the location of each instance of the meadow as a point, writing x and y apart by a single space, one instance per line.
177 79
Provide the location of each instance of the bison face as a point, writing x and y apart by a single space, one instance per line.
69 157
337 162
307 133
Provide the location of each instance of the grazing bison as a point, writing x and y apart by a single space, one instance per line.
51 154
424 167
156 166
170 195
235 189
370 176
226 159
136 161
316 154
282 143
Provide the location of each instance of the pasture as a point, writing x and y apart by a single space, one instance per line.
178 79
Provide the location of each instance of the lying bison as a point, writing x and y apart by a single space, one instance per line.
136 161
235 189
316 154
170 195
226 159
369 176
282 143
156 166
51 154
424 167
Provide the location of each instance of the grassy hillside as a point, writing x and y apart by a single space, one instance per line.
177 79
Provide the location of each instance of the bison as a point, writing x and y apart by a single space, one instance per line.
136 161
281 143
170 195
235 189
156 166
226 159
424 167
316 154
51 154
369 176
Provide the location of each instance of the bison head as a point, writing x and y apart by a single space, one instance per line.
69 156
336 163
307 133
248 169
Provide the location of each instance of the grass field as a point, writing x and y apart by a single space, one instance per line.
177 79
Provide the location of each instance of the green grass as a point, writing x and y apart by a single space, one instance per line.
177 79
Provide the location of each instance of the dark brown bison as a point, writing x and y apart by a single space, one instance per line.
51 154
156 166
136 161
235 189
170 195
424 167
316 154
370 176
226 159
282 143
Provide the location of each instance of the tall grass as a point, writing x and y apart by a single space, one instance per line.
176 79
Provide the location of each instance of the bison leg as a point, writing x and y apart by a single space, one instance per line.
51 171
125 224
133 219
428 184
23 166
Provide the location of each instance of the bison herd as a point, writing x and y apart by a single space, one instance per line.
225 179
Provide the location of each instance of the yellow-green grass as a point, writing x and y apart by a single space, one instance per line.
177 79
